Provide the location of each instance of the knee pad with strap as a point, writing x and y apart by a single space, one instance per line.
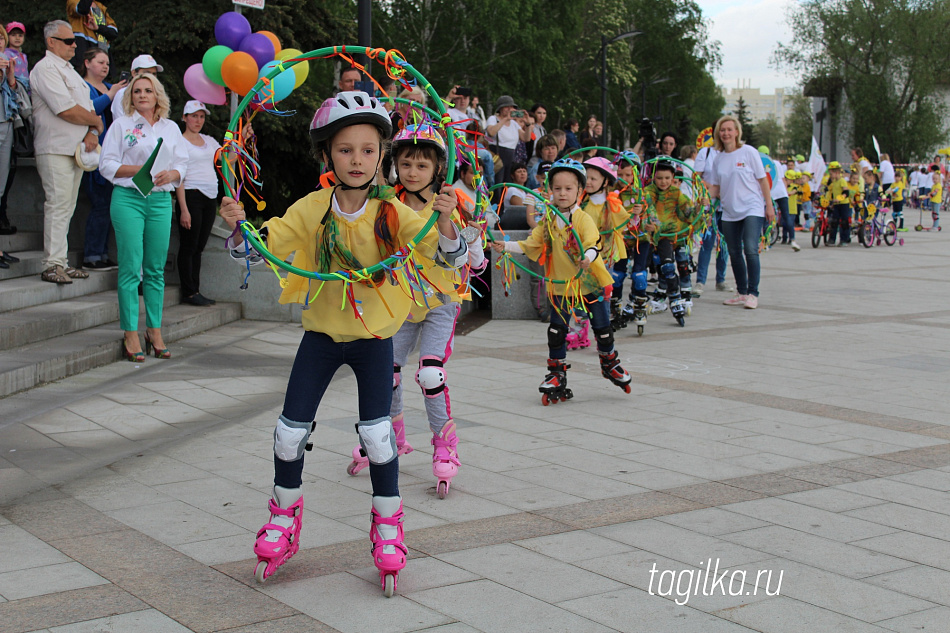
618 275
378 440
431 376
640 280
604 336
290 439
557 335
668 270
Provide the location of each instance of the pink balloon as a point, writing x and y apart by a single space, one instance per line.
201 88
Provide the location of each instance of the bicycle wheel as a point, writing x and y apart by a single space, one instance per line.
776 229
890 233
816 235
869 234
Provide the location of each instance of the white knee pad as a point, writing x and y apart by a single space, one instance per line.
290 439
378 440
431 376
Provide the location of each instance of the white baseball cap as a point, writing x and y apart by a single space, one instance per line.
145 61
194 106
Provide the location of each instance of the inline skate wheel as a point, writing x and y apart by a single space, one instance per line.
389 585
681 321
259 571
901 242
689 311
545 400
351 470
626 388
639 330
443 489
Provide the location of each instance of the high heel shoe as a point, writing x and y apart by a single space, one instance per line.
132 357
159 353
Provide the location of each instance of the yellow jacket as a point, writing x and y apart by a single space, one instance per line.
609 215
385 307
446 282
561 264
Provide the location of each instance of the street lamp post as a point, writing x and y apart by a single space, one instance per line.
604 42
659 104
643 94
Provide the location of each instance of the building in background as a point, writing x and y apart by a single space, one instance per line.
760 106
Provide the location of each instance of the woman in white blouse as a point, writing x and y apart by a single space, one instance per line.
197 203
142 216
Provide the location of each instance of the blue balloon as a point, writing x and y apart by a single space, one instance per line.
283 84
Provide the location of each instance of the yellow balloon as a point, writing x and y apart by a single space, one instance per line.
301 70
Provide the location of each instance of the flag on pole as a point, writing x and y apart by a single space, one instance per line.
816 165
877 147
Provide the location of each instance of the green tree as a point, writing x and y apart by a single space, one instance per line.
769 132
887 58
798 124
741 112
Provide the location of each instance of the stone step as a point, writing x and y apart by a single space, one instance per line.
25 292
31 263
42 322
53 359
22 241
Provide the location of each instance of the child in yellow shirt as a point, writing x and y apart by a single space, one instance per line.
419 157
553 244
351 226
897 191
935 196
838 192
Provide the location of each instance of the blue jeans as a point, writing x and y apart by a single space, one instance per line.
488 166
935 213
785 220
705 254
742 237
599 310
807 215
98 222
318 358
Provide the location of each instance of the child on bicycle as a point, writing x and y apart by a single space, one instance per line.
839 206
897 192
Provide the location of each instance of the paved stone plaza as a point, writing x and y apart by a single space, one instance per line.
805 442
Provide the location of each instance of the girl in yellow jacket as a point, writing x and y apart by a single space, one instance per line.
352 226
553 244
419 157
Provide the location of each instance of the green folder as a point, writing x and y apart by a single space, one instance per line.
143 179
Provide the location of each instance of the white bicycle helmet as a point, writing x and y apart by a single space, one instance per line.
349 108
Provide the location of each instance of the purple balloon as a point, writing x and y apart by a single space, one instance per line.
259 47
231 28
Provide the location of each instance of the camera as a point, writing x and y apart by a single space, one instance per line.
463 92
517 114
124 76
647 133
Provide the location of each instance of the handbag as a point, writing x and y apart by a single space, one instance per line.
23 140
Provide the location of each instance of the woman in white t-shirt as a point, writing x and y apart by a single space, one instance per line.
737 178
197 202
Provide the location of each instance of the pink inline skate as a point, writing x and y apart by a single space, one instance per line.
279 539
385 532
360 461
445 458
578 337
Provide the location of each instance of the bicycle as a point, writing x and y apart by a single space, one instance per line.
821 228
878 227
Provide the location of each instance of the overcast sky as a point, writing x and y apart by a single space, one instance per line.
748 31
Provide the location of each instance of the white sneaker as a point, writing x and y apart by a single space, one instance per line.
724 287
697 290
738 300
796 247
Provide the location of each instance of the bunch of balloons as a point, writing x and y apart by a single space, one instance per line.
240 58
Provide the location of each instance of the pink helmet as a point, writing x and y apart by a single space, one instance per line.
420 134
605 167
349 108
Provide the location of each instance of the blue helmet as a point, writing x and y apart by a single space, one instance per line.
571 165
630 156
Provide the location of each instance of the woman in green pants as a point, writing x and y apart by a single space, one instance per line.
142 206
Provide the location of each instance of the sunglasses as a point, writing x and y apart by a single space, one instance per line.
68 41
